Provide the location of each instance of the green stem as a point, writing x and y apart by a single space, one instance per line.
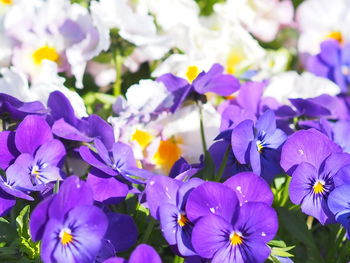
222 165
118 62
148 231
204 144
56 187
178 259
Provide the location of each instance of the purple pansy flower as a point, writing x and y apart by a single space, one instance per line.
66 125
118 161
259 145
166 199
310 186
35 156
224 231
333 62
313 161
309 146
69 226
212 81
18 109
338 203
142 253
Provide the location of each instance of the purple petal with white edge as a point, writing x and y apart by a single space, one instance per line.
242 136
32 132
95 160
210 234
250 188
301 183
257 222
107 190
51 152
338 199
6 203
88 225
8 151
161 189
306 146
121 232
212 198
168 217
39 218
185 189
266 124
18 174
144 253
73 192
316 206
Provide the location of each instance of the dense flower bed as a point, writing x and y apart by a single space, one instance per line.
174 131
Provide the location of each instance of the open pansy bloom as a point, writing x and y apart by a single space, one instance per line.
226 231
69 226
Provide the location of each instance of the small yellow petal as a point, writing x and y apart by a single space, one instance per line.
192 73
45 52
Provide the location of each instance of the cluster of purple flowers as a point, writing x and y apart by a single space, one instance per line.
218 214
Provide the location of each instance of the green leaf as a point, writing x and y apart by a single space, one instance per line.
7 232
275 251
26 245
294 222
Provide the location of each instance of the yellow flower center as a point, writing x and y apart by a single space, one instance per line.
259 146
192 73
45 52
142 138
234 58
182 220
167 154
319 187
6 2
66 236
236 239
336 35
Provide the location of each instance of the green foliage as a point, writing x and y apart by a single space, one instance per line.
206 6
